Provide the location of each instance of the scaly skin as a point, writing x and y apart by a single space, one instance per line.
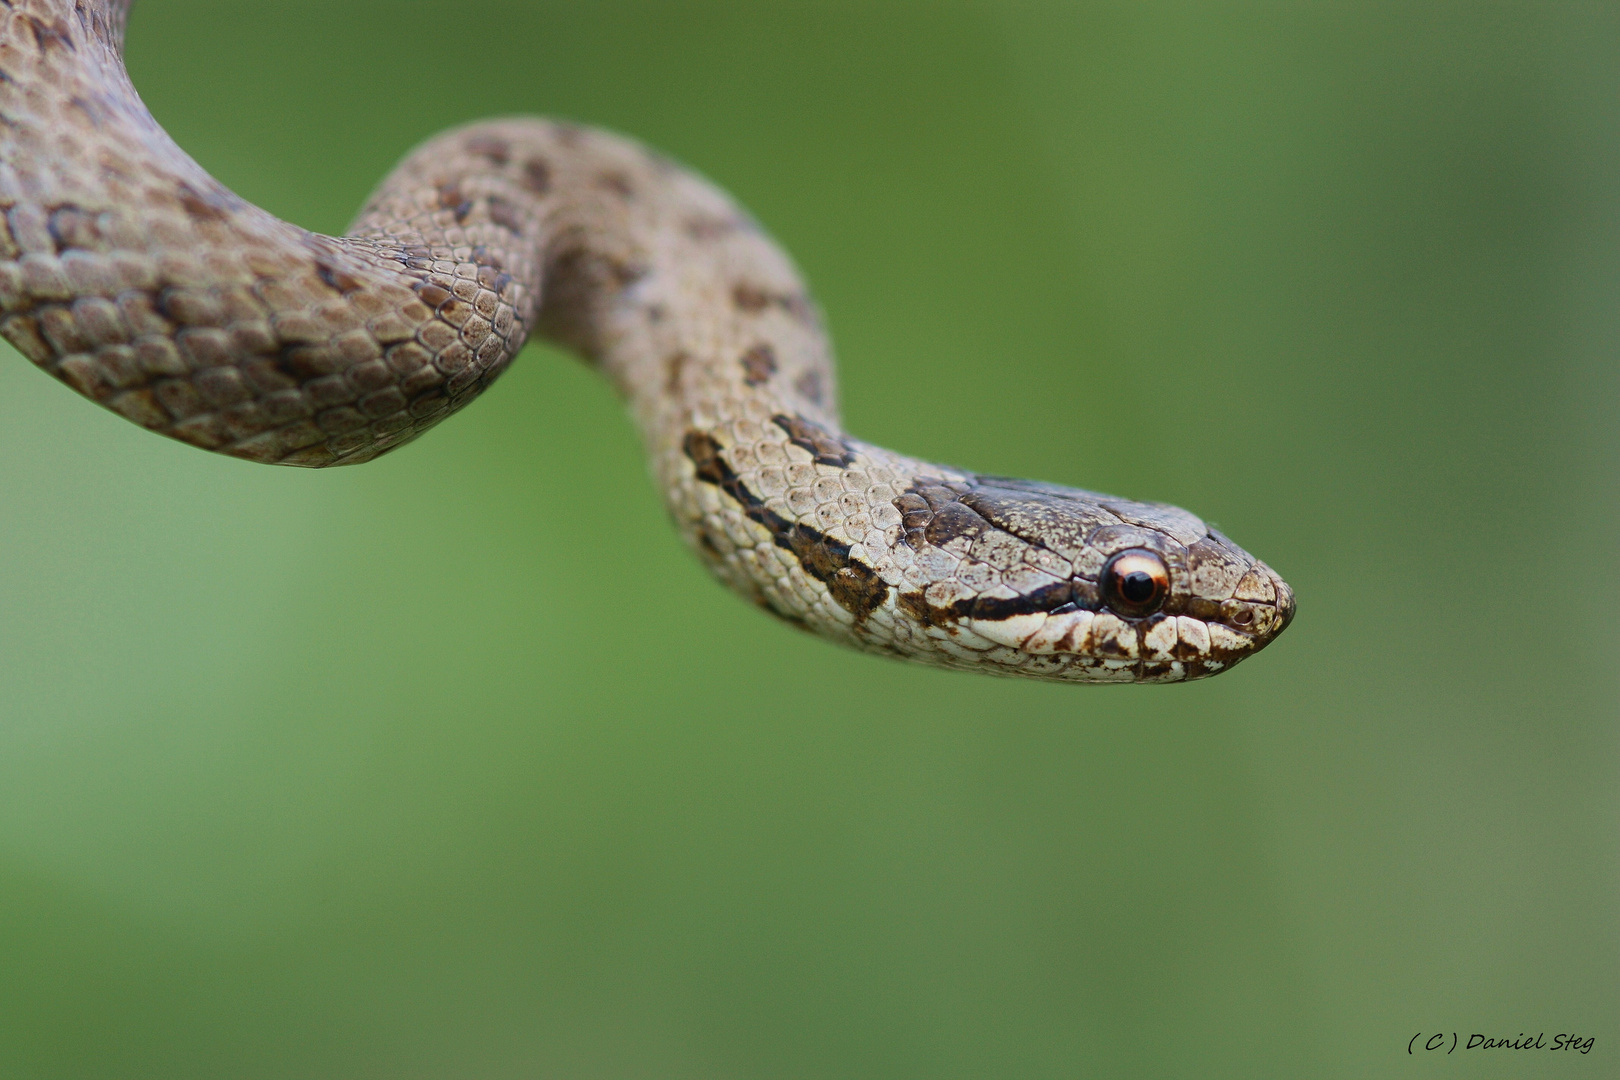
133 276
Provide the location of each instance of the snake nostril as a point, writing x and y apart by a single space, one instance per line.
1243 617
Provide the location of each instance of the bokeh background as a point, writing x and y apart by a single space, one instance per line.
281 798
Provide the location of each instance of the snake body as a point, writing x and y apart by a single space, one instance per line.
130 274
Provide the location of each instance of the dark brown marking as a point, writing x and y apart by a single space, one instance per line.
1049 599
492 278
537 176
49 34
937 492
750 297
800 308
505 214
432 295
926 499
914 516
1085 594
753 299
415 258
758 364
951 521
704 454
336 277
485 257
206 206
808 435
451 198
616 182
674 368
24 334
624 274
856 587
709 228
811 387
921 611
498 151
92 111
71 227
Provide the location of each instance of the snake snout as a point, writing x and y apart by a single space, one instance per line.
1285 604
1259 609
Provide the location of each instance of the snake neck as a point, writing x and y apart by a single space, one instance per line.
643 268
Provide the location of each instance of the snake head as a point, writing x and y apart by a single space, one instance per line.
1064 584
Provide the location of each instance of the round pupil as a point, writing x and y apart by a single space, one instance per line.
1137 586
1135 583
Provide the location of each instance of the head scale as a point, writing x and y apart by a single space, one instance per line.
1064 584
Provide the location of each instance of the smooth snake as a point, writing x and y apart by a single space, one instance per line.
130 274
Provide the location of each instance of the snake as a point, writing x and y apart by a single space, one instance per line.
133 276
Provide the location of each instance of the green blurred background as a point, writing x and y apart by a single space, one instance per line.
280 798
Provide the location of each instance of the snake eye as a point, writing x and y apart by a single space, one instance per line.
1136 583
